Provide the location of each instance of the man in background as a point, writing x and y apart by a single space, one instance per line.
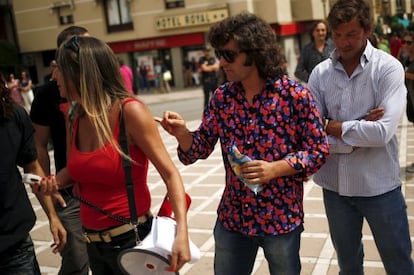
209 67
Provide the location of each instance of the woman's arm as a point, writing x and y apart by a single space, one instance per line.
137 117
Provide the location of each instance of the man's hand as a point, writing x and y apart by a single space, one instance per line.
258 171
59 235
173 123
58 199
374 114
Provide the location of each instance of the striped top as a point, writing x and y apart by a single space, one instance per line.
373 168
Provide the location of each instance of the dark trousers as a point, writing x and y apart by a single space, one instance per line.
20 259
208 88
103 257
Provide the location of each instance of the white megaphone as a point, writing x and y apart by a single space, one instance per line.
151 255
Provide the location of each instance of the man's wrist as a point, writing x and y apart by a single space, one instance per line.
325 124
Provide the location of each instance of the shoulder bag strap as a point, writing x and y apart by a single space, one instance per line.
123 142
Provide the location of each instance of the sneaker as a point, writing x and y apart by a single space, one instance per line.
410 169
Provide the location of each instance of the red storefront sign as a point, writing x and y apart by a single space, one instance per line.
292 28
166 42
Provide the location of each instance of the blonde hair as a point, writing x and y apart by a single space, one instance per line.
91 66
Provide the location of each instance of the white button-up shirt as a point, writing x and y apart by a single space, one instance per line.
378 81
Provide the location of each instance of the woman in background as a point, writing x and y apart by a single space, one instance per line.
14 86
26 90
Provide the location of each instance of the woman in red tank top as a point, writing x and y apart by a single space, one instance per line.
88 74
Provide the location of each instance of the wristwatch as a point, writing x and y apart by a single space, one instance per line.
325 123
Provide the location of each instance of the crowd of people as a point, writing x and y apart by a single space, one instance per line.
336 122
21 89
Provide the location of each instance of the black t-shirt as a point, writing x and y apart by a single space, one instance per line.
17 147
208 77
48 109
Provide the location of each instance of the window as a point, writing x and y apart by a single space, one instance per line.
118 15
172 4
66 19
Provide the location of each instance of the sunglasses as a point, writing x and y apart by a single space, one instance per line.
408 42
228 55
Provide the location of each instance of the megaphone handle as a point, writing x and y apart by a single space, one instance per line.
166 208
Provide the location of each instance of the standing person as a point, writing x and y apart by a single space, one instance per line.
48 114
143 76
14 87
408 62
361 92
187 72
316 51
126 73
49 77
88 74
195 71
209 69
273 121
161 84
383 43
26 88
17 218
395 45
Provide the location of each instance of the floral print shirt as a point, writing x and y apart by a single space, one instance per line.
281 123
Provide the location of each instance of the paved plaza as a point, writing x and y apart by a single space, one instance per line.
204 182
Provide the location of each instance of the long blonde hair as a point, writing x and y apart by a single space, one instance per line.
91 66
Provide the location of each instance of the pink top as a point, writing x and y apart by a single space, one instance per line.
126 74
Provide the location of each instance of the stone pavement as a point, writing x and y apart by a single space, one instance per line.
204 182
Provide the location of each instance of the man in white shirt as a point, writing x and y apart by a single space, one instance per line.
360 91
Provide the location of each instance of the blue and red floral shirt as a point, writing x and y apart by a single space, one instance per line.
281 123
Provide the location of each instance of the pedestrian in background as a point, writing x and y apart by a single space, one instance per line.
209 67
395 45
88 74
360 91
316 51
49 77
268 122
126 73
49 113
26 88
408 62
142 71
187 72
195 70
17 218
14 87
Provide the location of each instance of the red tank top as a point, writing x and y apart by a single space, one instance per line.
101 179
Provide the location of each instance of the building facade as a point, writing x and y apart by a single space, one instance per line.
143 31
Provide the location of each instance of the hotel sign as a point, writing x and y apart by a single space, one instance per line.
190 19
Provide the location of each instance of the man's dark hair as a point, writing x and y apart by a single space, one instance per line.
70 31
344 11
255 37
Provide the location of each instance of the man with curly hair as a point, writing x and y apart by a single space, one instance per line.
272 140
